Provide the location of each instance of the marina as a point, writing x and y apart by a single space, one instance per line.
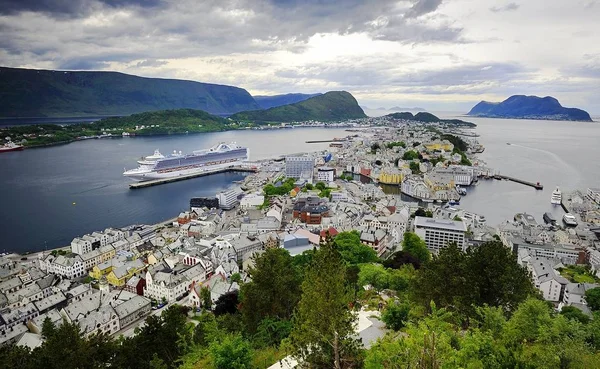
536 185
156 182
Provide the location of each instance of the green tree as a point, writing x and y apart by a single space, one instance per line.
395 315
374 275
271 332
48 328
414 167
323 324
416 247
571 312
274 289
205 297
410 155
352 250
308 186
592 297
320 186
231 352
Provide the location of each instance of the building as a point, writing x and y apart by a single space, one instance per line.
438 145
204 202
594 194
230 198
298 166
566 254
252 200
377 239
463 176
546 279
325 174
438 233
310 210
132 310
68 267
575 293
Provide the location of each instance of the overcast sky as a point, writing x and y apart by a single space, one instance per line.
436 54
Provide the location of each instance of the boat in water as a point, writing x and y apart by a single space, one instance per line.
218 157
569 219
549 218
556 198
10 146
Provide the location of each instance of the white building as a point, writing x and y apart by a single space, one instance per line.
594 194
438 233
550 283
296 166
325 174
69 267
575 293
230 198
252 200
463 175
172 286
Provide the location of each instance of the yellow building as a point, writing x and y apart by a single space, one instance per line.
439 146
119 276
390 178
101 270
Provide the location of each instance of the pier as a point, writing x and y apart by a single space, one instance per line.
156 182
321 141
537 185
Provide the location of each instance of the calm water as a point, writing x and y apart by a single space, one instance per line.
564 154
39 186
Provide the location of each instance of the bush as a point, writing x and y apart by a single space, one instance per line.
395 315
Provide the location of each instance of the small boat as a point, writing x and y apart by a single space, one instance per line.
508 143
556 198
569 219
549 218
454 202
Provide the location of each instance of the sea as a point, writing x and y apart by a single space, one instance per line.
50 195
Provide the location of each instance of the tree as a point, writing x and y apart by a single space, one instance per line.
323 323
414 167
416 247
352 250
274 289
592 297
271 332
227 303
573 313
400 258
410 155
308 186
206 298
374 275
232 352
48 328
374 147
395 315
206 331
320 186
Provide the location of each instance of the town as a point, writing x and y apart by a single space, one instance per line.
110 281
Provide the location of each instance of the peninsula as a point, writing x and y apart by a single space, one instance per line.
529 107
331 106
424 117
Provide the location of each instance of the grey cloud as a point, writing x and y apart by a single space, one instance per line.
72 8
505 8
422 7
150 63
83 64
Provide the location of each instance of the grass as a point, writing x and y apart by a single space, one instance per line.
578 274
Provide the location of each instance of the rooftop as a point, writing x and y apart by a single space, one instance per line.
450 225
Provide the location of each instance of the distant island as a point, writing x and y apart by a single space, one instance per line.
529 107
397 108
49 93
331 106
267 102
430 118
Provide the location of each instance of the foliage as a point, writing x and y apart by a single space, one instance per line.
331 106
231 352
206 330
274 289
414 167
205 298
284 189
352 250
574 313
416 247
271 331
391 145
458 142
487 275
308 186
395 315
323 323
592 297
400 258
578 274
429 118
410 155
227 303
374 147
320 186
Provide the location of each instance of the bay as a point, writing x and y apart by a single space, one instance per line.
50 195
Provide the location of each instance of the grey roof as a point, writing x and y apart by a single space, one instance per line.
450 225
50 301
28 291
544 270
10 283
579 288
46 281
131 306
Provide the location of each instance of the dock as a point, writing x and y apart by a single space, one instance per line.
156 182
321 141
537 185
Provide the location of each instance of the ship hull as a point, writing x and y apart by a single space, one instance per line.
141 176
11 149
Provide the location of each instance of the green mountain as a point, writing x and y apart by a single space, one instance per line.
267 102
529 107
331 106
429 118
47 93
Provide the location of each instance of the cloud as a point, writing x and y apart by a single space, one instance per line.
70 8
422 7
150 63
505 8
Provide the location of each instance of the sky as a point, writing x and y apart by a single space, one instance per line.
442 55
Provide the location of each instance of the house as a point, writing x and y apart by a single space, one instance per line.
135 285
17 316
377 239
118 276
172 285
24 296
67 266
545 278
217 285
575 293
91 316
132 310
52 302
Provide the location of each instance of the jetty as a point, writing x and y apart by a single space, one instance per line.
156 182
536 185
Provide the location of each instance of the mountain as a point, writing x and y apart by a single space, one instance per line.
429 118
331 106
267 102
47 93
397 108
529 107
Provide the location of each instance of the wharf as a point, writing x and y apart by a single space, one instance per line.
537 185
156 182
321 141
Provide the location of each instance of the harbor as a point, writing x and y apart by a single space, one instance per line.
156 182
536 185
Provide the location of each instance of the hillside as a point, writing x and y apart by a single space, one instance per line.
331 106
165 122
267 102
46 93
429 118
529 107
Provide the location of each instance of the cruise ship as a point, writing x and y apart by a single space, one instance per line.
570 219
556 198
158 166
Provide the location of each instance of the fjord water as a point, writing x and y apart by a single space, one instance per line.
563 154
50 195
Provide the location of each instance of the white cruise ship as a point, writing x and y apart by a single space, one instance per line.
570 219
556 198
158 166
